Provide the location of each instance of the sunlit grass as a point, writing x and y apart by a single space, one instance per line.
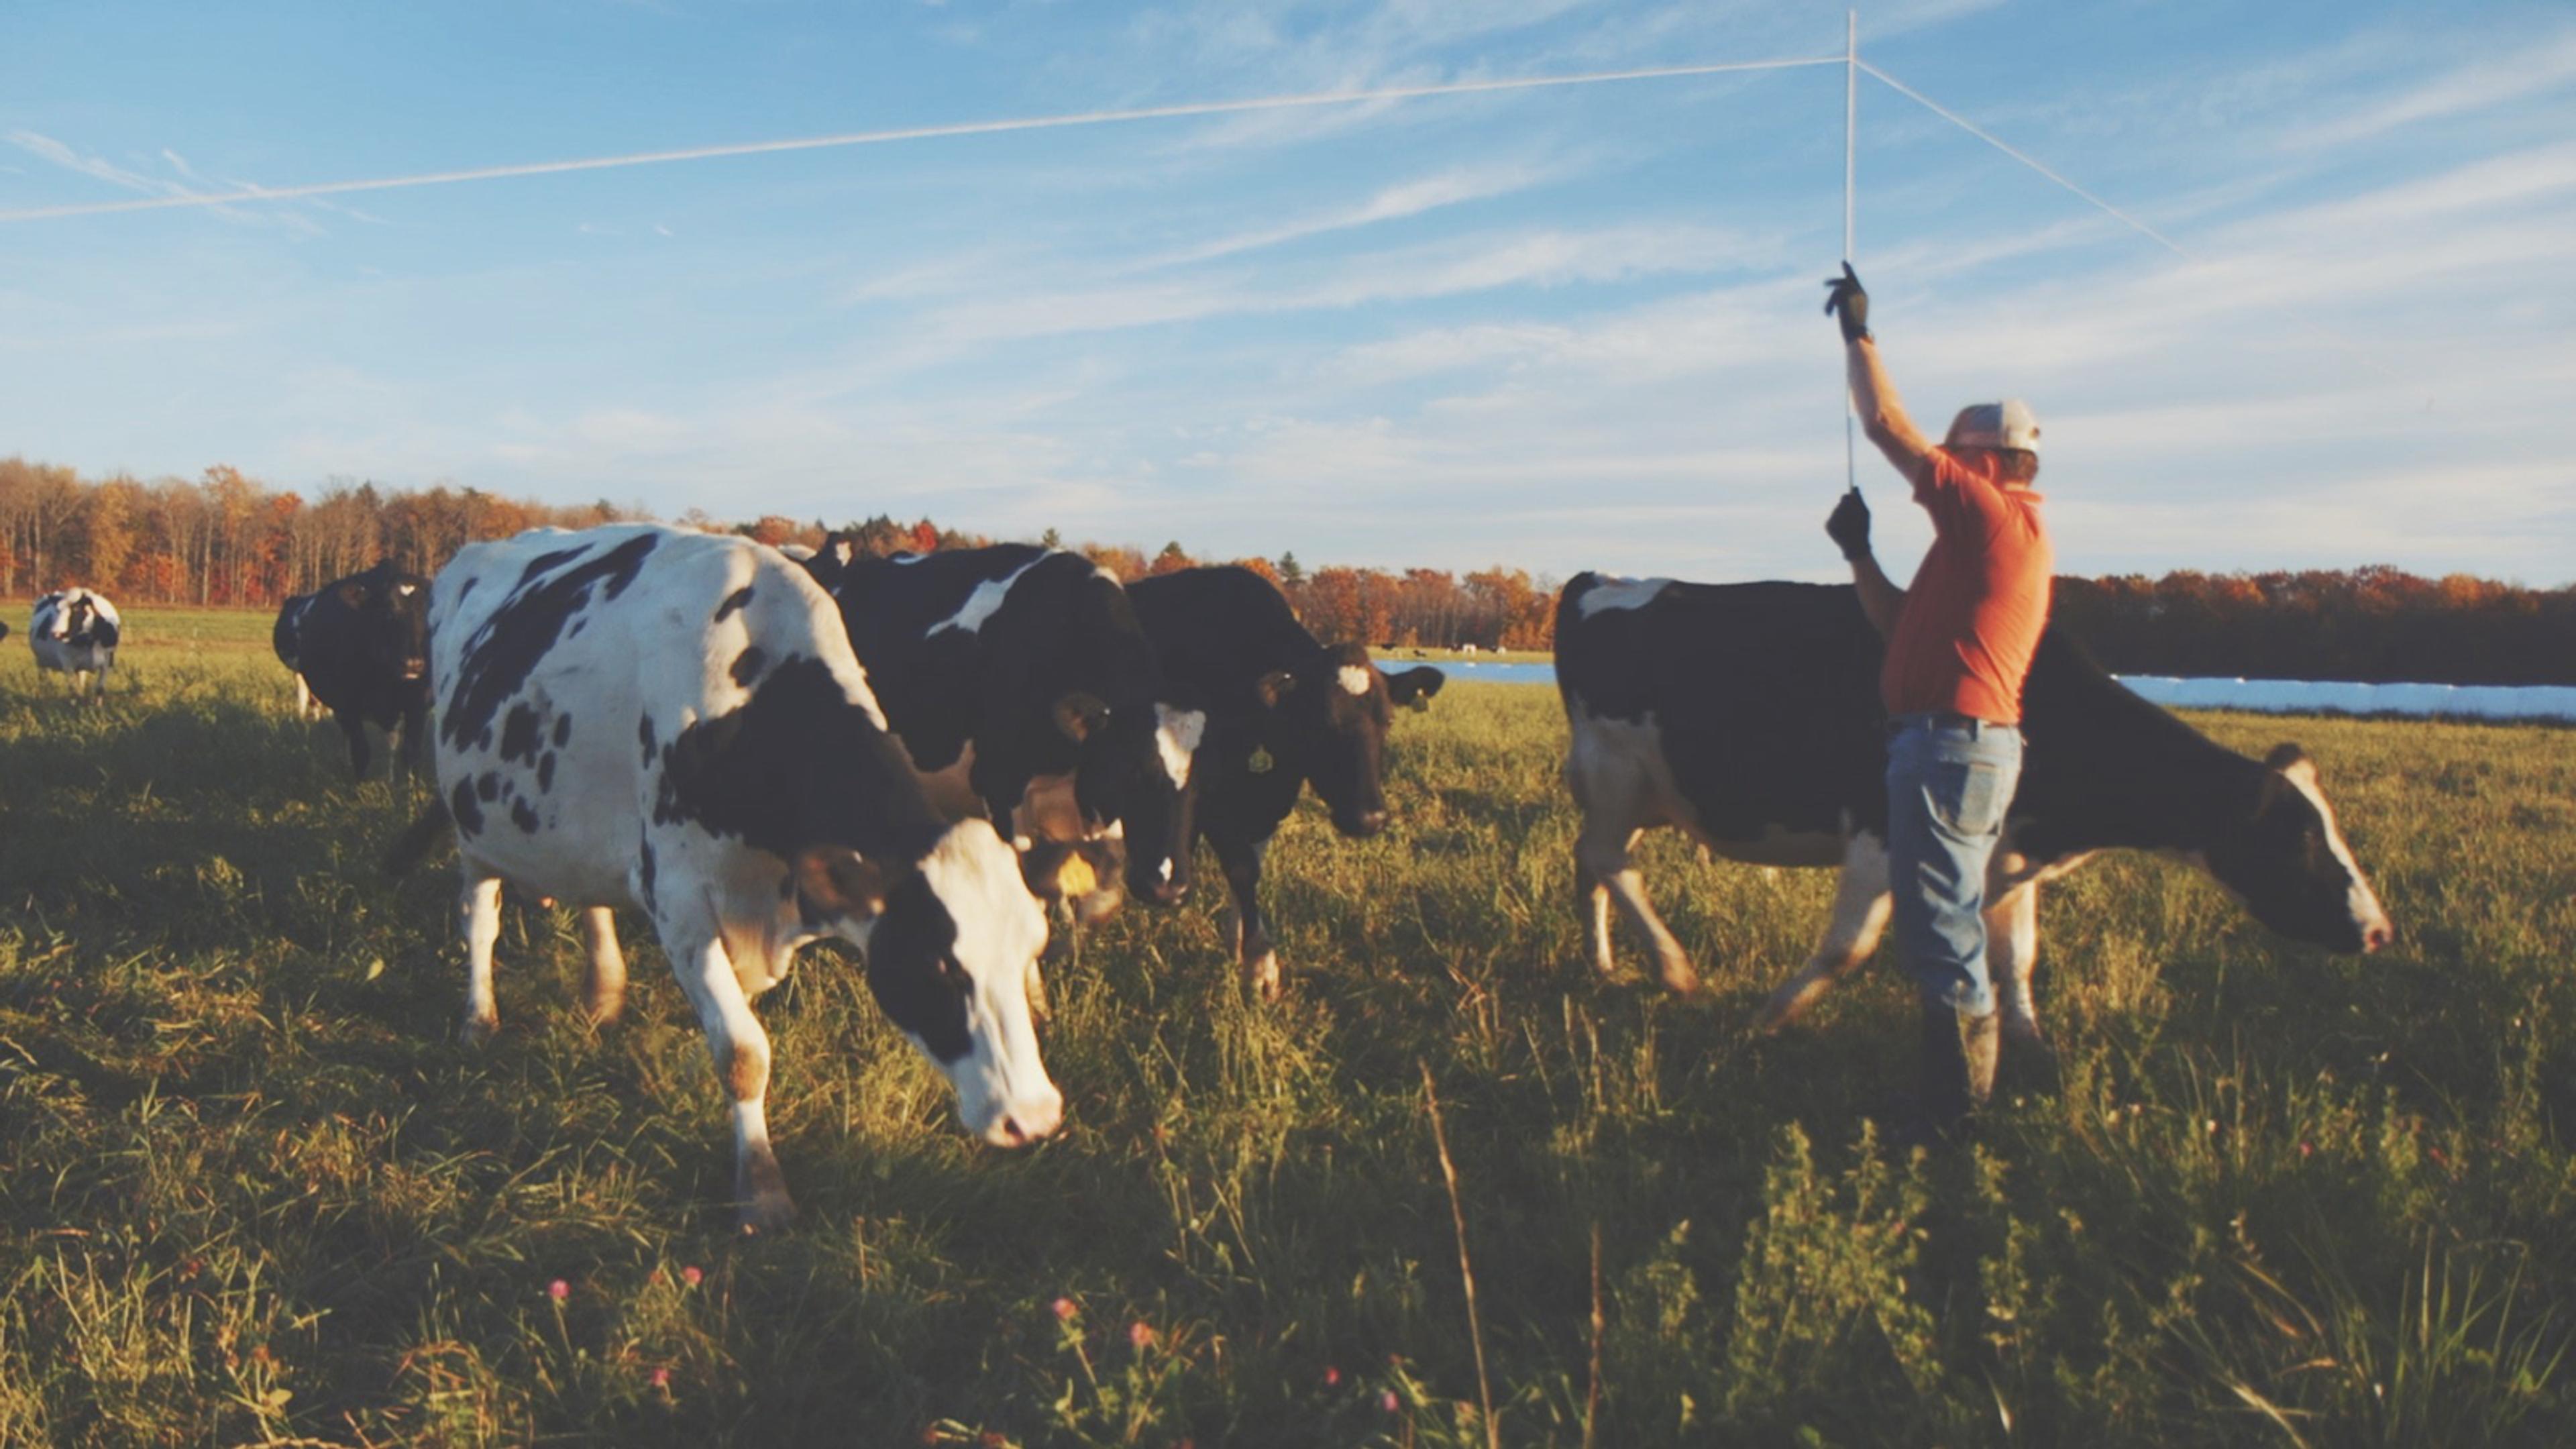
258 1192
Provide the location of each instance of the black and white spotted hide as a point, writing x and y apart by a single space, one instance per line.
674 721
74 633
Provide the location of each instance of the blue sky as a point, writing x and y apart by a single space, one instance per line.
1563 329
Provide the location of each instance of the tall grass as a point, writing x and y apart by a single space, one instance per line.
257 1193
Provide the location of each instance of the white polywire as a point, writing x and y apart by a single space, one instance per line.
1851 128
906 133
1954 118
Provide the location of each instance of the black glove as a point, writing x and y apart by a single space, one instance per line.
1850 301
1849 526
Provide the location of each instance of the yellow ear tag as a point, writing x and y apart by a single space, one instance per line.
1260 762
1074 877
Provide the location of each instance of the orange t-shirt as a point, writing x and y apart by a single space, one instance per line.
1973 615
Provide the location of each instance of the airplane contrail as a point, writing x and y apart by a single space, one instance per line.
906 133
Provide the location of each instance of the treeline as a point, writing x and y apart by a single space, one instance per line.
225 538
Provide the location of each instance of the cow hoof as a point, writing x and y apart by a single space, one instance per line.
603 1014
1262 976
760 1218
1680 980
479 1030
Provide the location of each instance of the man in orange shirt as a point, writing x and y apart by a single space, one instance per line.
1959 645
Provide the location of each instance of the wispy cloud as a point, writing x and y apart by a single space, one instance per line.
1393 203
2524 70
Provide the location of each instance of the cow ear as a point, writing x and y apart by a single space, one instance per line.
843 882
1056 870
1415 686
1273 687
352 594
1078 714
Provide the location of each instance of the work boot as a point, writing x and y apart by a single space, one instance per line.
1959 1054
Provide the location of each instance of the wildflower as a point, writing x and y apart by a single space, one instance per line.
661 1378
1387 1401
991 1439
2307 1150
1140 1335
690 1275
1065 1310
559 1290
1332 1376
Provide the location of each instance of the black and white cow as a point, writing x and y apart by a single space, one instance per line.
74 632
1022 686
361 646
1283 710
635 715
1747 716
286 637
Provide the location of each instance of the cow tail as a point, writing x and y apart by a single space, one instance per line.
414 844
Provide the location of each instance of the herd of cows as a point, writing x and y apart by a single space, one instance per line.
927 755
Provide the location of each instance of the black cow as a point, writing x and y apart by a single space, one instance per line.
361 644
1019 681
1747 715
1283 710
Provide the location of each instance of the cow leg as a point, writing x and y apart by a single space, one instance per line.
2012 948
740 1049
1253 952
607 994
356 729
1861 909
478 915
1601 853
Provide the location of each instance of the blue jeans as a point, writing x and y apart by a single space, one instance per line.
1949 780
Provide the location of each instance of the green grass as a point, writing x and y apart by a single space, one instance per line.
258 1194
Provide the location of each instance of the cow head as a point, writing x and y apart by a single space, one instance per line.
2291 867
1332 712
1134 780
79 623
950 945
392 610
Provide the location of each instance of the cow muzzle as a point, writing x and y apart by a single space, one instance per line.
1039 1117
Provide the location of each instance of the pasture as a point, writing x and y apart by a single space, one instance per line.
257 1193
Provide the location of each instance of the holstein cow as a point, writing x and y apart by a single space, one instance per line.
1021 684
286 638
361 645
1747 715
1283 710
635 715
74 632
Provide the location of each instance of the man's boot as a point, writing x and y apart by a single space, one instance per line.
1959 1054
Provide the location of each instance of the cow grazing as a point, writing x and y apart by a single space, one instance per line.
635 715
1747 715
1020 682
74 632
286 637
1284 710
361 645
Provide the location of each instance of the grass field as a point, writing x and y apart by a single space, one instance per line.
257 1193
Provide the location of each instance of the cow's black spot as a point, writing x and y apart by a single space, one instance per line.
646 868
523 817
797 765
748 664
546 772
563 729
497 659
519 733
732 602
545 561
488 786
644 736
577 626
469 815
467 588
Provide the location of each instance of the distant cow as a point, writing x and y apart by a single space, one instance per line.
74 632
362 645
1284 709
1747 715
287 639
635 715
1018 678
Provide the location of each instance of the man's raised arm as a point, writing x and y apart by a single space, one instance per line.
1882 413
